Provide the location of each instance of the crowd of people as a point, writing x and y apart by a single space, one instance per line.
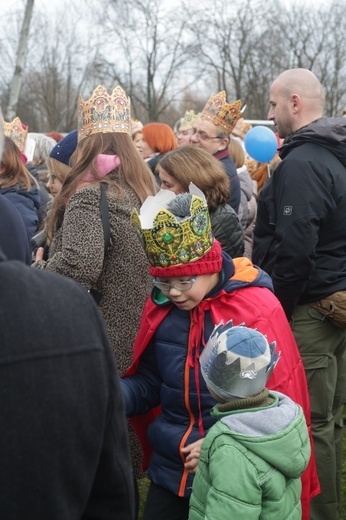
173 309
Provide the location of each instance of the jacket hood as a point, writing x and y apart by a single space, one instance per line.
245 180
278 434
329 132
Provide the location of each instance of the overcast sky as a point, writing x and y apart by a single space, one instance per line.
51 5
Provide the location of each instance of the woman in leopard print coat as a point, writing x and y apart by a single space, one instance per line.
75 233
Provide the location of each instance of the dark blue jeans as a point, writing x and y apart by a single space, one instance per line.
161 503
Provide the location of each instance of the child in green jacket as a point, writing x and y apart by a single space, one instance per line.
251 460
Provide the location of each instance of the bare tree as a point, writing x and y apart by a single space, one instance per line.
170 58
61 64
20 60
151 48
243 45
231 42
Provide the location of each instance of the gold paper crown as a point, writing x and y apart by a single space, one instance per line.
241 128
16 131
136 126
190 118
222 114
104 113
171 242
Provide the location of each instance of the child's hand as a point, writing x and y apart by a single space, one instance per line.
192 456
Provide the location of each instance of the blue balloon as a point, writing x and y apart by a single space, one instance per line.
261 143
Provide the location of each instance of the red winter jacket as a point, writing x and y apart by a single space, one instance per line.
245 298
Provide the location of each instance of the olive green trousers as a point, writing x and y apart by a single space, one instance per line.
322 346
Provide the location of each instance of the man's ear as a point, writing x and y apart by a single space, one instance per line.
296 103
224 142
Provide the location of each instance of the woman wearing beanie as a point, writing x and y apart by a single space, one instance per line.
195 287
58 162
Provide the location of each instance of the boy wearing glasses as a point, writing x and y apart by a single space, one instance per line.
196 286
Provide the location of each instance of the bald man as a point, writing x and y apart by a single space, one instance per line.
300 240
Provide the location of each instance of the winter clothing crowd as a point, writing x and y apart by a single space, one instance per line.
174 309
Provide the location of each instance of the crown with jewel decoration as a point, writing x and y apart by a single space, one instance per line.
16 131
169 241
104 113
190 118
220 113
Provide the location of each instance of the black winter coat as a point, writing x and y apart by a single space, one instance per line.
227 230
300 233
63 434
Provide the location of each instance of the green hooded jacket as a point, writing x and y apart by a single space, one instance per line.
251 462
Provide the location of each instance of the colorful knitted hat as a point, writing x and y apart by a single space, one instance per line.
237 361
175 232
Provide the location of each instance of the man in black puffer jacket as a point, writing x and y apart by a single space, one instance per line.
300 240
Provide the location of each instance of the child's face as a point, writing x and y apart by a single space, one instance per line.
188 300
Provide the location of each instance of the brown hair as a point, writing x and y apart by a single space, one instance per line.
237 153
14 171
132 170
160 137
190 164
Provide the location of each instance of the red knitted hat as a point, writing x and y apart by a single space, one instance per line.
209 263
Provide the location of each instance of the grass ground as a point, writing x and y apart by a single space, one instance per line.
144 483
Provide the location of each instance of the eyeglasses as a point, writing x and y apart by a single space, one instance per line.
52 177
202 136
184 285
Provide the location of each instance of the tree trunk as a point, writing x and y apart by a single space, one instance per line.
20 60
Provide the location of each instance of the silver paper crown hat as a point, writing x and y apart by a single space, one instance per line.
237 361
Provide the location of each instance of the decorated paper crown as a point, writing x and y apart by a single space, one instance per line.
136 126
222 114
104 113
241 128
169 241
190 118
237 361
16 131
